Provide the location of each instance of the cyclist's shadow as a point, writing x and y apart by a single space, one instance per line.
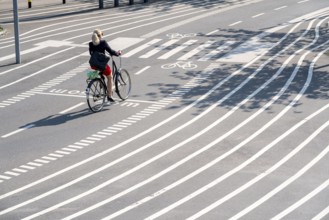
58 119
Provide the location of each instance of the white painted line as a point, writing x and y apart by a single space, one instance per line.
14 100
82 144
129 121
264 149
49 158
302 1
119 129
98 136
17 131
212 32
27 167
302 201
107 130
140 48
69 149
55 155
280 8
19 170
235 23
149 111
34 164
124 123
120 126
12 173
159 48
105 133
86 141
258 15
132 118
196 50
246 121
142 70
5 177
71 108
41 161
42 70
23 52
93 138
322 214
9 102
177 49
76 147
62 152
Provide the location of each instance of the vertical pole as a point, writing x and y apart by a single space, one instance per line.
101 4
29 2
64 1
131 2
16 27
116 3
146 1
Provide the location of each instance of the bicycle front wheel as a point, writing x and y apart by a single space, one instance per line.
123 84
96 94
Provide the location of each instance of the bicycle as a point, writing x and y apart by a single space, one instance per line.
96 92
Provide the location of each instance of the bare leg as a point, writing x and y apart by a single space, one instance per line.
109 85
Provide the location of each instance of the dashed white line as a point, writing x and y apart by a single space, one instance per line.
282 7
19 170
71 108
27 167
17 131
235 23
12 173
258 15
142 70
212 32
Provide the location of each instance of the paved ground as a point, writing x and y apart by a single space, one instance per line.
228 116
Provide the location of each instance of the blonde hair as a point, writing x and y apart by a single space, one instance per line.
96 37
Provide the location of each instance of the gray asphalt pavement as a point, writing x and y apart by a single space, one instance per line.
227 118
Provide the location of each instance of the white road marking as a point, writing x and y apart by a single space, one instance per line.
322 214
212 32
258 15
190 54
282 7
177 49
156 141
159 48
140 48
18 131
73 107
142 70
316 191
217 51
235 23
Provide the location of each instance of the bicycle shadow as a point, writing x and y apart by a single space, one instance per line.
58 119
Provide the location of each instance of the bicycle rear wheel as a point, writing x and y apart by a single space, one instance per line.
96 94
123 84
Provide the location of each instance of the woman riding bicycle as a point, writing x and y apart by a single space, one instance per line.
99 45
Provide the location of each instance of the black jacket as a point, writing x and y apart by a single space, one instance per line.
102 47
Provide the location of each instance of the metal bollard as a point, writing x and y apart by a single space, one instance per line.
64 1
116 3
101 4
29 3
